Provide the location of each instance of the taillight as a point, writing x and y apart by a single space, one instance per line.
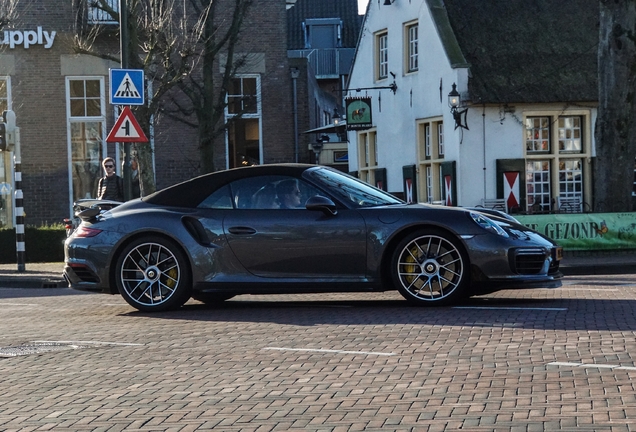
83 231
68 224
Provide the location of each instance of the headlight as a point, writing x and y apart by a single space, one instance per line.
488 224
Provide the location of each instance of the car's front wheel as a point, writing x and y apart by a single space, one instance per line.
152 275
429 267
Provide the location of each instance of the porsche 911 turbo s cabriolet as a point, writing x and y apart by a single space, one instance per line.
293 228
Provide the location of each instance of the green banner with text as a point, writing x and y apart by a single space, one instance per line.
586 231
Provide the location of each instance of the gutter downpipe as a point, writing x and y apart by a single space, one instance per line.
295 73
483 132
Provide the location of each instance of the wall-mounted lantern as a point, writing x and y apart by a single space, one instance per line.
454 102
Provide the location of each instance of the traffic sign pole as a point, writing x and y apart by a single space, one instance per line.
125 62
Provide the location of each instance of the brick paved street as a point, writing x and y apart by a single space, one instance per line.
526 360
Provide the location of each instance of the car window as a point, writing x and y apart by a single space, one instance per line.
350 189
219 199
270 192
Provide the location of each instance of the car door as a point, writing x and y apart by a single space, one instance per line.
295 243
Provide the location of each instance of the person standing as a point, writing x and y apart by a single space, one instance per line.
134 175
111 186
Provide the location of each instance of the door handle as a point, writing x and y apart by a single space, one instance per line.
241 230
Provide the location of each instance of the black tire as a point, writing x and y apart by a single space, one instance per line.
152 274
430 268
211 298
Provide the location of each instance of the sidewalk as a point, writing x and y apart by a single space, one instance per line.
36 275
49 275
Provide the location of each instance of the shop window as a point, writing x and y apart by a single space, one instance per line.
556 150
244 113
430 150
86 125
538 185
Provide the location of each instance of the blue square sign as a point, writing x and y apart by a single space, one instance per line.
127 86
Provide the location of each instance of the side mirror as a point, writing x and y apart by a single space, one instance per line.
322 204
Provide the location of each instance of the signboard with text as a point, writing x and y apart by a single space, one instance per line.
586 231
358 113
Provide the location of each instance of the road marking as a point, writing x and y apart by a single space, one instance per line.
18 304
592 365
330 351
90 343
510 308
589 289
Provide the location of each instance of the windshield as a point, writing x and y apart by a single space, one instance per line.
351 190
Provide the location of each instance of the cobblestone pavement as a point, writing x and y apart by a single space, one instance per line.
526 360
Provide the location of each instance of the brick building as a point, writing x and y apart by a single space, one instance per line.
61 101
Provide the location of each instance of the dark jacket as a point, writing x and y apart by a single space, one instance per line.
111 188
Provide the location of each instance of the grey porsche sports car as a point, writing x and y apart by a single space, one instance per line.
292 228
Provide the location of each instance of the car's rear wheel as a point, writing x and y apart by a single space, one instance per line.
429 267
152 275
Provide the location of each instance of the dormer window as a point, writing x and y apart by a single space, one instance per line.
323 33
98 14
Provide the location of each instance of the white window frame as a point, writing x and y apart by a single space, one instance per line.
7 80
7 159
257 115
83 119
382 55
367 155
411 45
429 159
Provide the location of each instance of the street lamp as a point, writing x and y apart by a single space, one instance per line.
318 145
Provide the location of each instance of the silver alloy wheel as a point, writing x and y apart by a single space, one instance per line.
430 268
150 274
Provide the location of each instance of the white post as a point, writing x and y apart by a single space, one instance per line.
13 143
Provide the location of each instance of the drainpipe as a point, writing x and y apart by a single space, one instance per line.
483 132
295 73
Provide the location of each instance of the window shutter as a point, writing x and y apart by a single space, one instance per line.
512 166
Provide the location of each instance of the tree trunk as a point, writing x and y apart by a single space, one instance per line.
144 153
616 122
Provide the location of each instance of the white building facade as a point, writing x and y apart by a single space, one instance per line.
530 155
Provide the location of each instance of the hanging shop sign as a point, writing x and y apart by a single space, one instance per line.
26 38
358 113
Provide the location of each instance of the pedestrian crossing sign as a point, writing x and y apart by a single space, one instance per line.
127 86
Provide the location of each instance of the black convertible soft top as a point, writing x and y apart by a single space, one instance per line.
192 192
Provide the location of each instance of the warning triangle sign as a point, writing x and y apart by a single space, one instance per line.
127 89
126 129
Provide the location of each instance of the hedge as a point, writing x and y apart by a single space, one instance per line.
42 244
